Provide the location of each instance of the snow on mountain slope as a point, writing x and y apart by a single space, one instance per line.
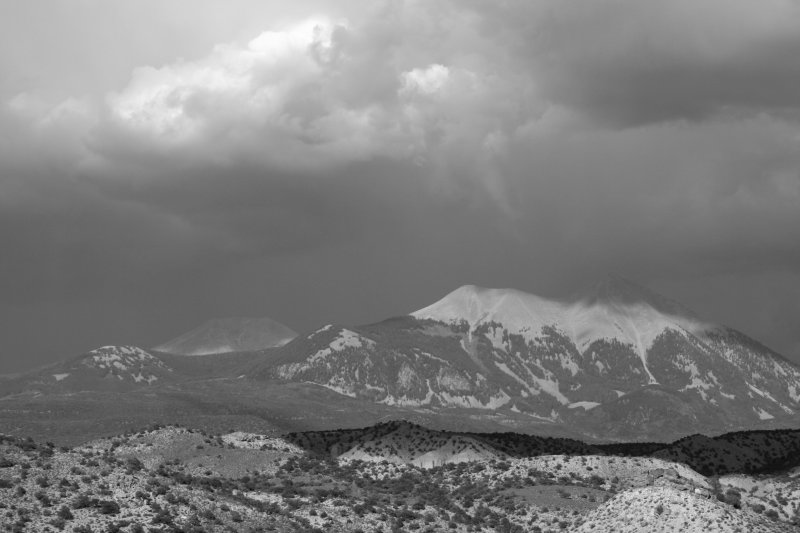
123 363
109 368
618 361
518 311
222 335
615 309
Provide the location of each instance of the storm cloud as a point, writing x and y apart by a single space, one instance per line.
339 163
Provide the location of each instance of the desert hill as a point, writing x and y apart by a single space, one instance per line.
179 479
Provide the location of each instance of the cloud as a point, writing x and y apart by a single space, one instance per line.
393 83
531 144
614 110
629 63
270 99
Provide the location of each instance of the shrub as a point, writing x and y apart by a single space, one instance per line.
82 501
108 507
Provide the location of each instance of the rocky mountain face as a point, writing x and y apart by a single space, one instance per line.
618 362
225 335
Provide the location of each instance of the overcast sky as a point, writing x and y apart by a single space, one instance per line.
162 163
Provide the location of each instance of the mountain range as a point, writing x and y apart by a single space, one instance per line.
617 362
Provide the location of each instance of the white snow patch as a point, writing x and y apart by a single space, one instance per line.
794 392
697 383
506 370
322 329
551 388
405 401
495 335
763 394
585 405
336 388
494 402
567 363
138 378
762 414
59 377
432 357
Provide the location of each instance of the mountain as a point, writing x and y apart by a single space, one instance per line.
109 368
618 361
123 369
222 335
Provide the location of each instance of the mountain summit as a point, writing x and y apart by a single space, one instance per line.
613 309
221 335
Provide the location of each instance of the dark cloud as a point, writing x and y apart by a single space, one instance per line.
350 164
630 63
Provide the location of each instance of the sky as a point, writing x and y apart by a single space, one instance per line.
162 163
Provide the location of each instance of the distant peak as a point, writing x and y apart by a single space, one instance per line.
230 334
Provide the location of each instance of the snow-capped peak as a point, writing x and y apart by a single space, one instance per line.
614 309
517 310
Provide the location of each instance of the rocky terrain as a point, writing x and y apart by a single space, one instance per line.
393 477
